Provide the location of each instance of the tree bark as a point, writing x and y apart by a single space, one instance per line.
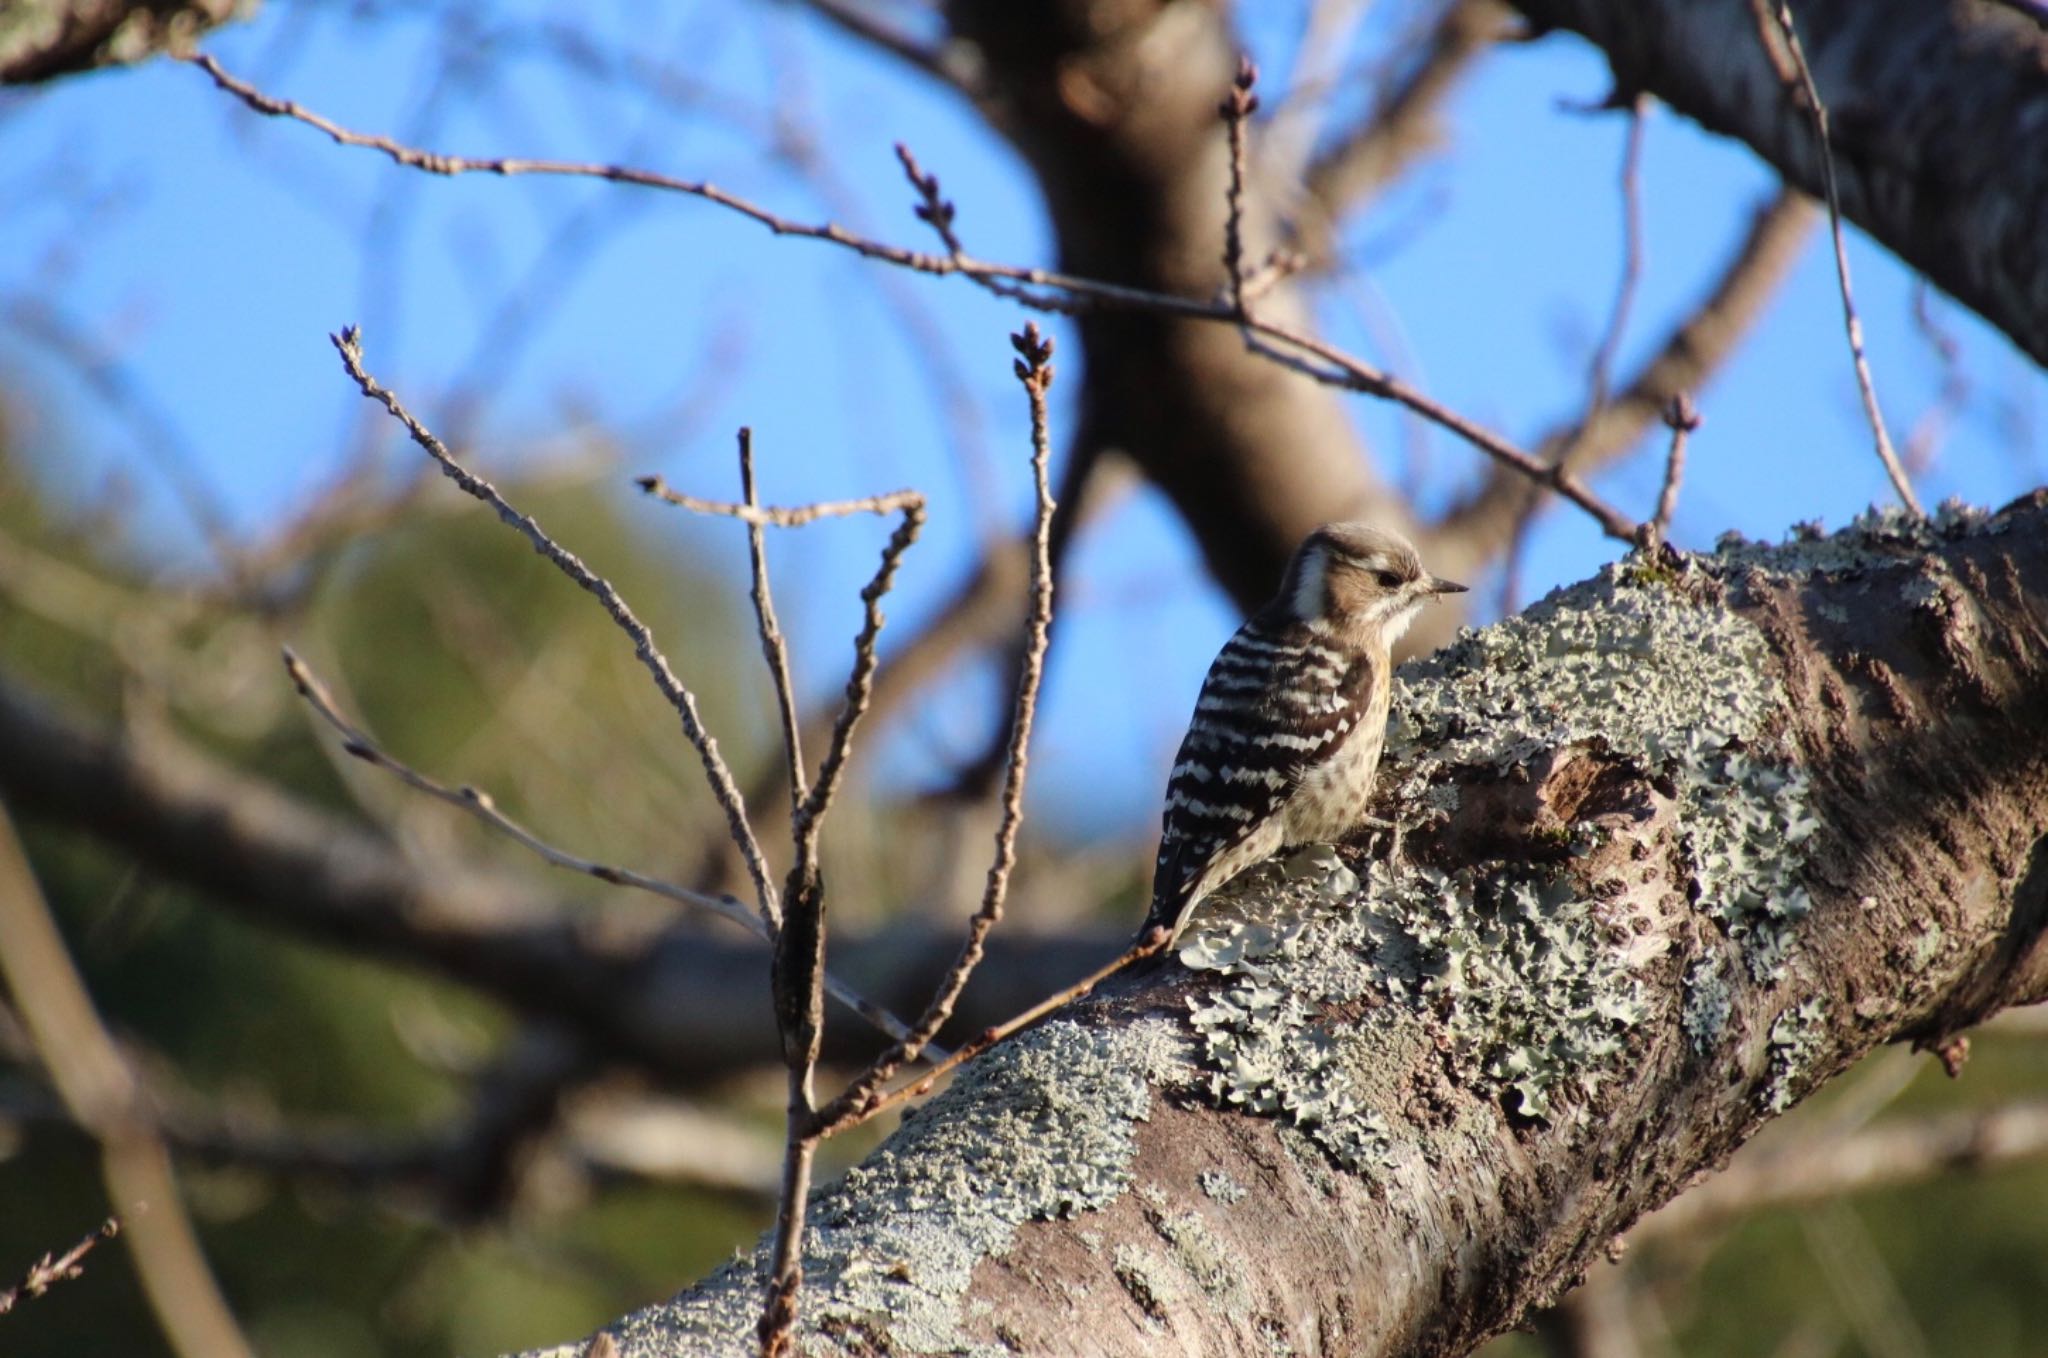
1687 840
1936 117
44 39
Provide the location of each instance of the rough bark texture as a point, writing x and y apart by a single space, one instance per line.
1938 114
43 39
1690 840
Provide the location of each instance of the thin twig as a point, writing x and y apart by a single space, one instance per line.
1236 111
1599 371
809 806
880 1102
938 62
1923 440
46 1272
784 516
349 344
860 682
774 650
1398 127
1034 369
1684 361
1681 418
1041 289
478 803
1865 386
1631 260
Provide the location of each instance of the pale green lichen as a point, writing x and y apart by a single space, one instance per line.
1220 1186
1927 945
1879 536
1292 949
1205 1259
1149 1281
1794 1038
1708 1003
1643 672
1326 998
1536 994
1536 983
1044 1126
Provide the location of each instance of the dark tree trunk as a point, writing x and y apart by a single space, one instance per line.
1937 119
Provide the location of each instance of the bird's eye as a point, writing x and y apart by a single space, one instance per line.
1387 579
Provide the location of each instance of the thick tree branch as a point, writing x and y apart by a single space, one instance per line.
1934 113
1690 839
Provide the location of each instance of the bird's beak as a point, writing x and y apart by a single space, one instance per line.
1436 586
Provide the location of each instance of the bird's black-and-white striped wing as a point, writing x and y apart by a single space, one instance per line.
1278 701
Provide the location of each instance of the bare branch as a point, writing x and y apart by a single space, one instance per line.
1681 419
46 1272
860 683
983 610
1601 367
1793 52
478 803
774 649
779 516
852 18
349 344
1292 348
1034 370
1149 945
1923 440
1236 111
1631 259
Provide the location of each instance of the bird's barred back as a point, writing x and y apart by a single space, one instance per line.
1279 701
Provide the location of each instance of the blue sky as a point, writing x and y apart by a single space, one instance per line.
211 252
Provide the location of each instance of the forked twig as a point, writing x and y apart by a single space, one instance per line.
1866 387
357 742
349 344
860 681
1681 419
856 1103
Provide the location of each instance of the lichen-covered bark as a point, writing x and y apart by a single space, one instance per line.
1689 839
1937 117
44 39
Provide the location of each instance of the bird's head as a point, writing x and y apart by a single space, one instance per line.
1359 582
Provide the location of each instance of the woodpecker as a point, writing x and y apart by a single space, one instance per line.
1286 736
